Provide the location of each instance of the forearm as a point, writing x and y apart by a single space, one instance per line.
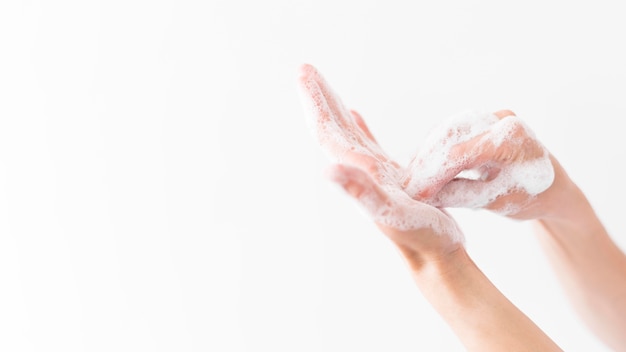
479 314
590 266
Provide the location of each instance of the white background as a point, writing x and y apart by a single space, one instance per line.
159 190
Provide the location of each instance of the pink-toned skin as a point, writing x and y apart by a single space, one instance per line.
588 263
370 176
481 153
590 266
478 313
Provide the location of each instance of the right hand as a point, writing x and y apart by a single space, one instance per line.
515 175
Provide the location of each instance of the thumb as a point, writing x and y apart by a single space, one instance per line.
360 186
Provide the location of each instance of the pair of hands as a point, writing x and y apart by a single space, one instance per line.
512 173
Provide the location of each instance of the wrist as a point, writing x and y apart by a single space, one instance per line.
562 202
566 210
444 264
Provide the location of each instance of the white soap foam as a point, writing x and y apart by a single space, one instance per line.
434 153
408 214
323 123
399 211
532 174
337 133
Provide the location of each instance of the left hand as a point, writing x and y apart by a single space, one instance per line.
421 231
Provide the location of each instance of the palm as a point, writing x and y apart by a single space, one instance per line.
370 175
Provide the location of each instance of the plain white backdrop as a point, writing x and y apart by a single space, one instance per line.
159 190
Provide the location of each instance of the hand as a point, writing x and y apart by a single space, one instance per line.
421 231
491 161
342 133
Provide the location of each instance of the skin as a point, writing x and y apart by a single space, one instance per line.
478 313
588 263
480 153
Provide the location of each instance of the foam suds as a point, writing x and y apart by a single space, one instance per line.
473 177
434 154
522 163
390 206
338 134
330 122
406 214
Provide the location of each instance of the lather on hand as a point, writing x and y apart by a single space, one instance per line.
427 237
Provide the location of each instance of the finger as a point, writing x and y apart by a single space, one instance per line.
311 95
316 89
465 193
391 209
336 106
433 166
504 113
340 134
320 119
506 142
493 195
478 154
490 149
331 133
384 173
436 171
337 112
373 145
361 123
358 184
353 125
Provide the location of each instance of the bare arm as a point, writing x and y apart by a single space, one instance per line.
479 314
427 237
590 266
